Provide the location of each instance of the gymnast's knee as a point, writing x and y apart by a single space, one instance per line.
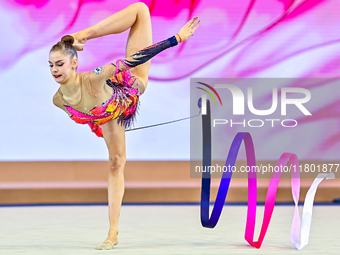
142 8
117 164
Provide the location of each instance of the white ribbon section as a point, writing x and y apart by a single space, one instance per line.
307 211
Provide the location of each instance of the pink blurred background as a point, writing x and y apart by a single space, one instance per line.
245 38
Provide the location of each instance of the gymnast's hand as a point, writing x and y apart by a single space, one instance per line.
78 43
188 30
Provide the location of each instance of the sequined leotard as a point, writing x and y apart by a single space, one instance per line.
111 91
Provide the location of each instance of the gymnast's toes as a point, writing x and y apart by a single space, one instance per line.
106 245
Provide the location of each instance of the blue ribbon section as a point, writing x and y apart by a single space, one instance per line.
226 177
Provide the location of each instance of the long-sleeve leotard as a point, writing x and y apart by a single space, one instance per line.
147 53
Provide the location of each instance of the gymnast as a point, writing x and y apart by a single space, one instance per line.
107 98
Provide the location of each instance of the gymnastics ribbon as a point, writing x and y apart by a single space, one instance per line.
252 189
163 123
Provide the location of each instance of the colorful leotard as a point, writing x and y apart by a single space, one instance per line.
124 87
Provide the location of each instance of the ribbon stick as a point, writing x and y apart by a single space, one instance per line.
210 222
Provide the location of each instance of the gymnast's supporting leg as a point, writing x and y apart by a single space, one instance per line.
137 17
114 135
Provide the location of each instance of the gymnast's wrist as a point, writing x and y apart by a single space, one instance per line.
85 35
178 38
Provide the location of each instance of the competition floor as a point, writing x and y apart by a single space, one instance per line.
157 229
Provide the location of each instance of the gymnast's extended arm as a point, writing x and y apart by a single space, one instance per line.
147 53
142 56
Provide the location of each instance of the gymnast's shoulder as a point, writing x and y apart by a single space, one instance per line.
99 75
57 99
102 72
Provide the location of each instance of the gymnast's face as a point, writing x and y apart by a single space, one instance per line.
62 66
